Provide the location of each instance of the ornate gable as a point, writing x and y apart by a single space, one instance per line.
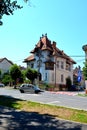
45 44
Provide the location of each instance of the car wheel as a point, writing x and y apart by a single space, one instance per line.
36 92
21 91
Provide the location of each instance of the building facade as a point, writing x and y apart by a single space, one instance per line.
53 65
5 65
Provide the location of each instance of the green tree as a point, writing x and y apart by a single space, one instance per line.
75 80
22 77
7 8
15 73
85 70
31 74
6 79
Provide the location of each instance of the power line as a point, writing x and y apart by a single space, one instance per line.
77 56
79 60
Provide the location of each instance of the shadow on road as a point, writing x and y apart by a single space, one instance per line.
11 119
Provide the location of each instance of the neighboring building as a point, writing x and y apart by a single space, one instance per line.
75 77
22 67
52 63
5 65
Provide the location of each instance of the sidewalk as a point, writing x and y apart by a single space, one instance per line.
11 119
72 93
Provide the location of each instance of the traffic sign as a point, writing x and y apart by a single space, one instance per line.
79 75
79 78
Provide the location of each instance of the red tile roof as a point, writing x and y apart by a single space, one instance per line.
45 44
30 58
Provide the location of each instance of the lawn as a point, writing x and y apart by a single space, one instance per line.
55 111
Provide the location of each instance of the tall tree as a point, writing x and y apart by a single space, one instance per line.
6 79
7 8
85 70
31 74
15 73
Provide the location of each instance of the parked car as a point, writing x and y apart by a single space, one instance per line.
77 88
29 88
2 85
81 88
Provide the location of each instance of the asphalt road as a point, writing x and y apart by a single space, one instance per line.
11 119
68 99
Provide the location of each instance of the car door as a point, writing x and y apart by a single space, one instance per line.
31 89
25 88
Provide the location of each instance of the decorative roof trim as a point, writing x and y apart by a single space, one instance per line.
30 58
46 44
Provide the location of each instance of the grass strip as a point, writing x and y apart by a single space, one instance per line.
83 95
56 111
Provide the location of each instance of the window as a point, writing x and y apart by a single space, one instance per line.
62 78
28 64
49 66
62 65
68 67
32 65
57 64
45 76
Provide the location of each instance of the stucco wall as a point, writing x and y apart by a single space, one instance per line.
52 76
5 66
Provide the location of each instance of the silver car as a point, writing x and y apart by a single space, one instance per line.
29 88
2 85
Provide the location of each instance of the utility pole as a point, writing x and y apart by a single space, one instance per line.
55 70
39 61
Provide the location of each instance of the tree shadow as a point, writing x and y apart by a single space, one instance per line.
11 119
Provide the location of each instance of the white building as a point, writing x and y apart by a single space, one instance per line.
5 65
52 63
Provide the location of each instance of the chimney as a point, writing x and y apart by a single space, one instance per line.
45 34
42 35
54 43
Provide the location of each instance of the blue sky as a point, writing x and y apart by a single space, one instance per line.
64 21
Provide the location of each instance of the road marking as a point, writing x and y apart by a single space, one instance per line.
53 102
